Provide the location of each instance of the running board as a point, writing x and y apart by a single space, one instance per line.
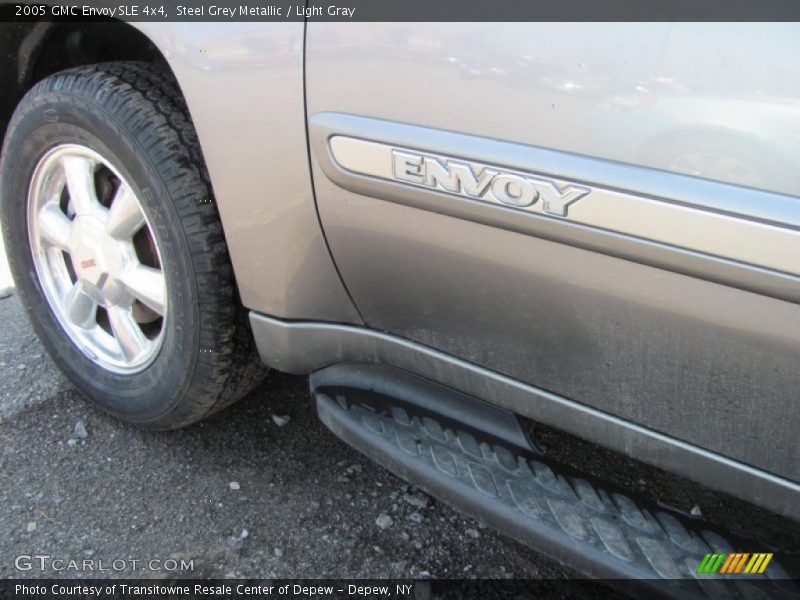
474 456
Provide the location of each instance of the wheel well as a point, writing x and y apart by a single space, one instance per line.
30 51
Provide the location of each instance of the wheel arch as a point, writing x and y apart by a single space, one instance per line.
243 85
33 50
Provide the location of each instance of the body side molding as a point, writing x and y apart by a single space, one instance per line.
737 236
303 347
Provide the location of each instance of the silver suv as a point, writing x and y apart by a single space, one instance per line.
454 228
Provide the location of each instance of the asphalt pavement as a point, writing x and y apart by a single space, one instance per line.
259 490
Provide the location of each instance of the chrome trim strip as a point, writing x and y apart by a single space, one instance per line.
778 209
702 230
303 347
756 205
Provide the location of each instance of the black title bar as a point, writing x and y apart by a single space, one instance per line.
405 10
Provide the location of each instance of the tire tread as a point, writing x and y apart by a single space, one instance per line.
144 98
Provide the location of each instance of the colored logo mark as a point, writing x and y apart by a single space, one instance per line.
734 562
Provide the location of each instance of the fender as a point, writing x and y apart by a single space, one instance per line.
248 110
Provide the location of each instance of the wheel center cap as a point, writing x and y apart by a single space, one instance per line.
96 256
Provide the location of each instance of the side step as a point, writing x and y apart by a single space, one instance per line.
475 457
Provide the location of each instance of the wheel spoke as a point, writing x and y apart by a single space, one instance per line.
54 225
125 217
79 172
104 284
127 332
79 307
147 285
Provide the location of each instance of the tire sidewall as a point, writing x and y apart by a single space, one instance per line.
55 118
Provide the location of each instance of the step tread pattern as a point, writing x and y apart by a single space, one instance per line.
650 543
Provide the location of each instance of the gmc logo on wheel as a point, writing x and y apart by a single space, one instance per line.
85 264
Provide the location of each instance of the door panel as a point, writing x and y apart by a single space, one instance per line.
719 100
665 300
735 235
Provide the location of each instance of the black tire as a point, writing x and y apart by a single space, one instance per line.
133 114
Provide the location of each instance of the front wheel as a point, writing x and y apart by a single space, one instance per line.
117 249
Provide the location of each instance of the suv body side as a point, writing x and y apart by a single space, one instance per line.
682 342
